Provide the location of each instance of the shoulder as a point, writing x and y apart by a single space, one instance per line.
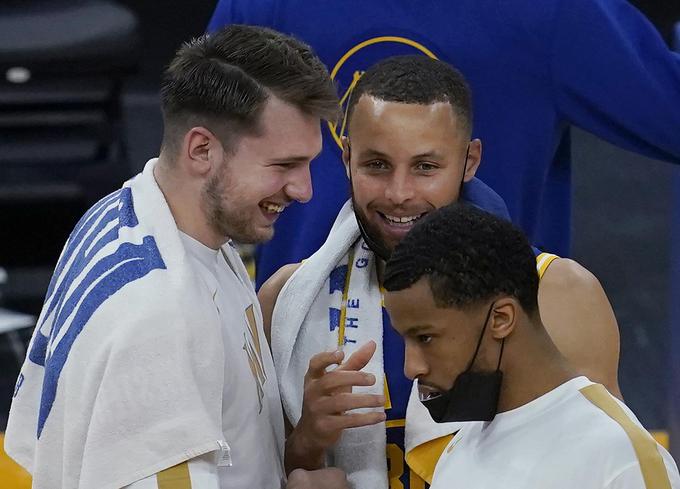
269 292
611 430
271 288
566 274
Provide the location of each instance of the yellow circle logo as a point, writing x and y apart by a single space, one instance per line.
348 70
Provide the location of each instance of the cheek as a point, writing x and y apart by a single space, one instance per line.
366 189
265 183
440 190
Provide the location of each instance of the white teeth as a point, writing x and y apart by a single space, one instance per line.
426 396
275 208
402 220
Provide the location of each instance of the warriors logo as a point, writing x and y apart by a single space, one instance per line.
348 70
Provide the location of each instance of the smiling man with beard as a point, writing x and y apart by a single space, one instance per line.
462 289
409 151
148 367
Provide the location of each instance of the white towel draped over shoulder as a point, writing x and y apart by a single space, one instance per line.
125 368
306 321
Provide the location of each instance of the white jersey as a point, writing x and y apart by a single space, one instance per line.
252 420
575 436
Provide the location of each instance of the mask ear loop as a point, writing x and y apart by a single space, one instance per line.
500 357
462 180
481 337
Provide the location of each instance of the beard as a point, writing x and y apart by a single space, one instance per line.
226 218
370 233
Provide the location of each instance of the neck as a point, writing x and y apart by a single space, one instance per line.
536 369
183 195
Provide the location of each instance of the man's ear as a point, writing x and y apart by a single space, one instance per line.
474 158
346 153
504 317
202 150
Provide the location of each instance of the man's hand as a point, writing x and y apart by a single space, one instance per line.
327 398
331 478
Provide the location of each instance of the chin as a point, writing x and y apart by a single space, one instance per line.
261 235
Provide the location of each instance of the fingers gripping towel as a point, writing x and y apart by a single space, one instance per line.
125 368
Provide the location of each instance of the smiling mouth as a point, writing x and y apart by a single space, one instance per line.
401 221
273 208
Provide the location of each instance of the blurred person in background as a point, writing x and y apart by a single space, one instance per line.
538 68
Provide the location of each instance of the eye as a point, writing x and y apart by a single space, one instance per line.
426 166
376 165
282 165
424 338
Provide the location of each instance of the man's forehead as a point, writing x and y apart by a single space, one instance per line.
371 112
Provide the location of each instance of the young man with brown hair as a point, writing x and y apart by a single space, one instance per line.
149 366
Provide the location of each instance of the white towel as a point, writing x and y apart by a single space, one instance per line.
306 321
125 369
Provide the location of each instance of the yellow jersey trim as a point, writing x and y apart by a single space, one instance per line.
662 438
423 459
651 464
543 261
388 400
395 423
176 477
11 473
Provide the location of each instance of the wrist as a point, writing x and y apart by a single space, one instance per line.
302 452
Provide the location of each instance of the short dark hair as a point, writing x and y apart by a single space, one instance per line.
415 79
222 81
469 256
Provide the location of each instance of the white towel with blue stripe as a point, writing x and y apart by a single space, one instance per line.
125 368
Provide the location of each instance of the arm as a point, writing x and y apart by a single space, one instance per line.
578 317
269 292
614 76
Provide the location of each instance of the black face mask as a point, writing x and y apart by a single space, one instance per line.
474 395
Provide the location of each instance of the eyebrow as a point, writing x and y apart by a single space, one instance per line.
373 153
418 329
293 159
428 154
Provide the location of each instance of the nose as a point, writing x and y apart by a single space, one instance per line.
400 187
299 186
414 363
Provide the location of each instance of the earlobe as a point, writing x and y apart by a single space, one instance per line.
504 317
474 158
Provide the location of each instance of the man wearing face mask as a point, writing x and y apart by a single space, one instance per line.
409 151
462 290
